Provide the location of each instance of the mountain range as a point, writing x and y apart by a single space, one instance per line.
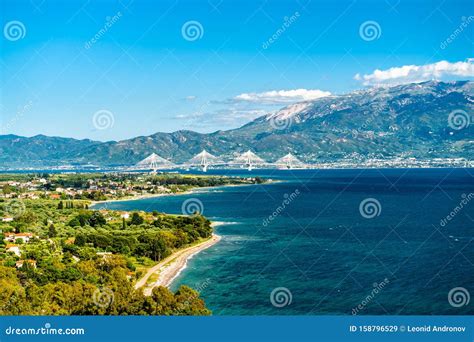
420 120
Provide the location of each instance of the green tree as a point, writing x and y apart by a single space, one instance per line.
136 219
52 231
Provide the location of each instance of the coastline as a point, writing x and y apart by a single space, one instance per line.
140 197
170 268
187 192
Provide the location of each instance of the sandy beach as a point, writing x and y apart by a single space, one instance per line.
169 268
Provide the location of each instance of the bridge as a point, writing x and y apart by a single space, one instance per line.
291 162
249 160
204 160
154 162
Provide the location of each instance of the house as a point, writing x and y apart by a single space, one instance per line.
7 219
20 263
12 237
55 196
125 216
13 248
104 255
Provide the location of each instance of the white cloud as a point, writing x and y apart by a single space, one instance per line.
281 96
418 73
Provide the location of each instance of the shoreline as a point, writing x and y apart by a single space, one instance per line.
187 192
171 267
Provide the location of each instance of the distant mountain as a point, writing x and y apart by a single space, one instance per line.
40 150
401 121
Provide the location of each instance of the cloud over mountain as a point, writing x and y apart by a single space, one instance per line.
418 73
281 96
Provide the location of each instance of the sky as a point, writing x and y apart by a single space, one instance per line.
113 70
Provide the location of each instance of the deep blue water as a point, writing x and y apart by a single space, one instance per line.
325 252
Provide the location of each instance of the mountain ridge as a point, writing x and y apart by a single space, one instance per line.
410 120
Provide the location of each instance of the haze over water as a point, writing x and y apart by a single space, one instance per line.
321 248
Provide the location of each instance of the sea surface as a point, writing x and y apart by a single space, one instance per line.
335 242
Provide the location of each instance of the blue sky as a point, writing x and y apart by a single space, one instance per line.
148 74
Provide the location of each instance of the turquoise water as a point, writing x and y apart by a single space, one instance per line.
320 248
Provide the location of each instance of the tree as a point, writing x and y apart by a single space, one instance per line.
52 231
124 223
7 189
97 219
60 205
136 219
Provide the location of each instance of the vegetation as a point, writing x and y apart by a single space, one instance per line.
77 261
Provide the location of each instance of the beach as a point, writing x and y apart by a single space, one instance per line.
169 268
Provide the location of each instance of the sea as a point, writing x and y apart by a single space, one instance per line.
333 242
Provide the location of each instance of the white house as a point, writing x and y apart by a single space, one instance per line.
13 248
12 237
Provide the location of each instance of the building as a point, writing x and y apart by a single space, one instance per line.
12 237
20 263
13 248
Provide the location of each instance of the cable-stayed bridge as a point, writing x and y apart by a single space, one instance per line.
204 160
